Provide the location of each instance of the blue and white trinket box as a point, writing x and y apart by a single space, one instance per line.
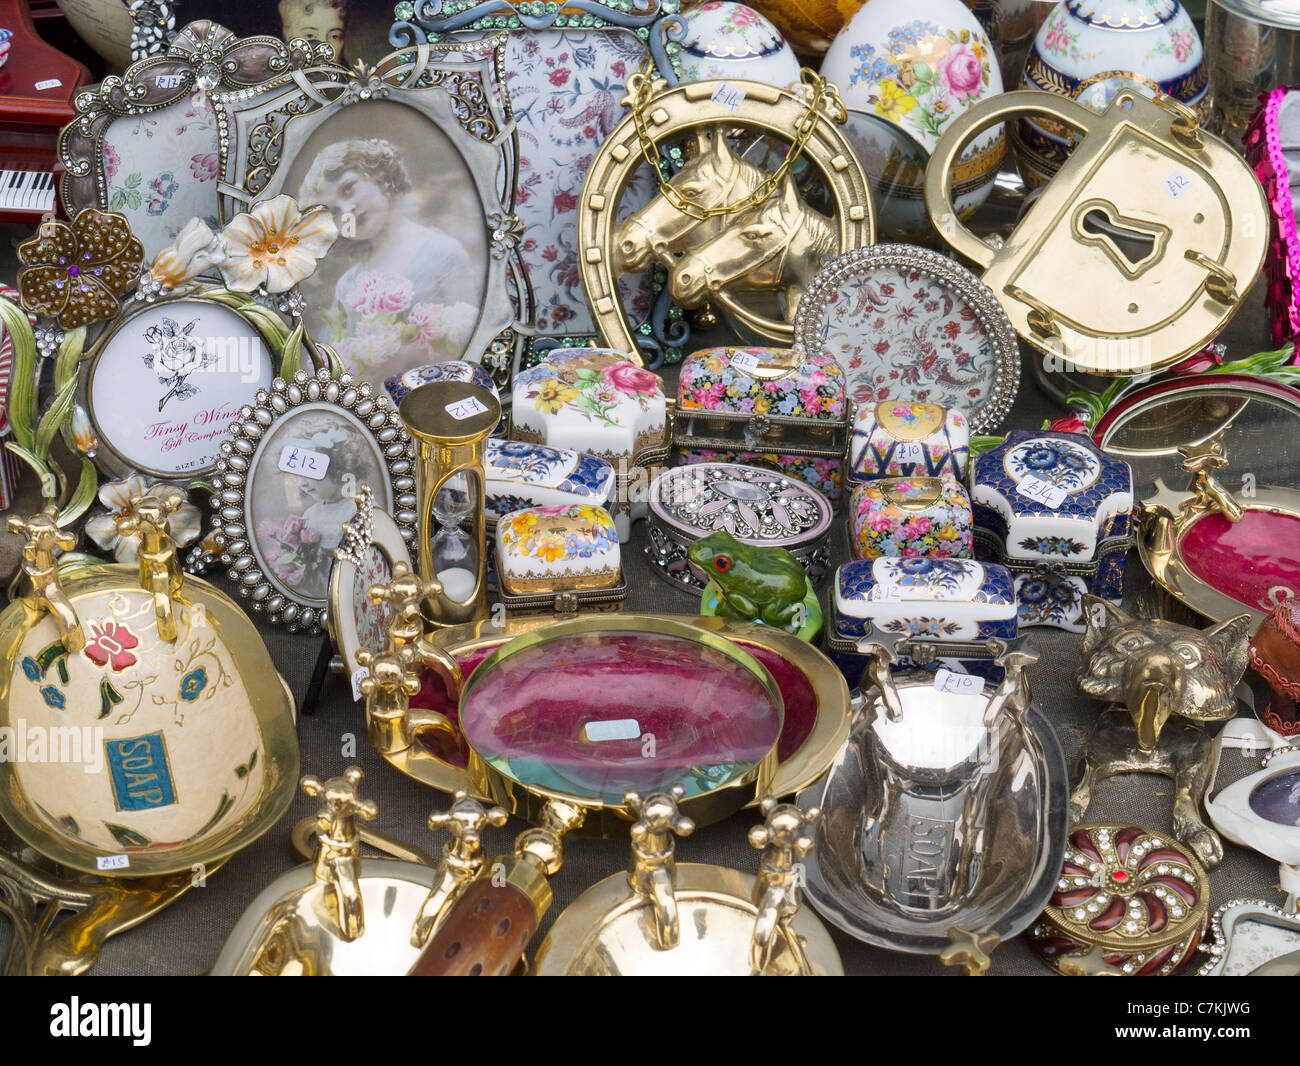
1058 513
906 438
517 475
944 601
451 370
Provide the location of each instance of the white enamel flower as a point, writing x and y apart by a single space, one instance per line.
183 524
195 249
276 245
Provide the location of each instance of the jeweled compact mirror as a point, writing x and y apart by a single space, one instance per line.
1252 938
1262 811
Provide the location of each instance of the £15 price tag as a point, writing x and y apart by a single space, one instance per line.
466 408
113 862
947 681
304 462
1040 491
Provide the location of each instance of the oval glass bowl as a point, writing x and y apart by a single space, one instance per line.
992 872
815 698
188 749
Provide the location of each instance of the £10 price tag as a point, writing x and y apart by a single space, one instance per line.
947 681
1040 491
113 862
304 462
466 408
909 451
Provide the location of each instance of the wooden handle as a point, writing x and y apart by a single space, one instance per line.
485 934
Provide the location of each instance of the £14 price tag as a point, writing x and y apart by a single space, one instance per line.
113 862
947 681
728 96
466 408
304 462
1040 491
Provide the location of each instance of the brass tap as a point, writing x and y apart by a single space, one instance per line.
403 593
653 874
160 570
43 537
336 863
1209 494
784 838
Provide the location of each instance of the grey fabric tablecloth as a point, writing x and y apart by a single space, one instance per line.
186 937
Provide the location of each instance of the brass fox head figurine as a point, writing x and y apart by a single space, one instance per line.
1159 669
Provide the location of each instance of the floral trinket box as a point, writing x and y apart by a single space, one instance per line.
910 517
518 475
957 602
774 407
1057 511
598 401
559 558
905 438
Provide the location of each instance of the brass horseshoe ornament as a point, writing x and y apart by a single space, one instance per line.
718 248
1137 253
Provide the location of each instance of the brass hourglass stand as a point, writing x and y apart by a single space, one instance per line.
451 422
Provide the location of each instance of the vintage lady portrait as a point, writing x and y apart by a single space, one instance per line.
405 280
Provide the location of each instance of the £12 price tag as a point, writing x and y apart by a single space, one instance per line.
1176 184
304 462
1040 491
947 681
466 408
886 594
746 361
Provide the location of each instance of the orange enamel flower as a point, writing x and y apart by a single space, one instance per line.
276 245
76 272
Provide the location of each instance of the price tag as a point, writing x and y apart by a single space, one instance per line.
51 83
466 408
947 681
358 675
909 451
886 594
1176 184
615 729
1041 491
728 96
167 81
113 862
304 462
746 361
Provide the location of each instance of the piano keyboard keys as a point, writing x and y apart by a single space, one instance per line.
26 190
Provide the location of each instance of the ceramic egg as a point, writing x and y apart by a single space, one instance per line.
1089 49
809 25
725 41
905 69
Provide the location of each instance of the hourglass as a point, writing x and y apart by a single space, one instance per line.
451 421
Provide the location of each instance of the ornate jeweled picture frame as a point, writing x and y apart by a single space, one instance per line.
566 71
372 546
287 481
164 380
908 323
145 145
407 156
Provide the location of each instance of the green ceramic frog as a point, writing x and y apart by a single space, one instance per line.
757 584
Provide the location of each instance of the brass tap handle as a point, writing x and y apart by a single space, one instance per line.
970 950
882 648
784 838
391 681
1200 460
337 861
160 570
404 593
462 858
653 874
43 537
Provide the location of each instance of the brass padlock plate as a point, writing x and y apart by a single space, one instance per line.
1137 253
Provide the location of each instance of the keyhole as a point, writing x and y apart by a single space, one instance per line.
1134 245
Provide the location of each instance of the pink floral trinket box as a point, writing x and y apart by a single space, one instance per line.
911 517
908 438
773 407
560 558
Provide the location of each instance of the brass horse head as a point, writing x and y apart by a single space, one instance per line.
778 245
716 176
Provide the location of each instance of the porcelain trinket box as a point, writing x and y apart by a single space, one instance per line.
758 507
558 557
518 475
1056 511
910 517
906 438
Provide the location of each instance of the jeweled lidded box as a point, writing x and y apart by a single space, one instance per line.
565 554
518 475
755 505
906 438
910 516
1058 512
783 408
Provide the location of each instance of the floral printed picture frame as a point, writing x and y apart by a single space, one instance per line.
409 157
146 145
566 72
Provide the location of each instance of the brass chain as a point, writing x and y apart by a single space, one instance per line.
824 95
